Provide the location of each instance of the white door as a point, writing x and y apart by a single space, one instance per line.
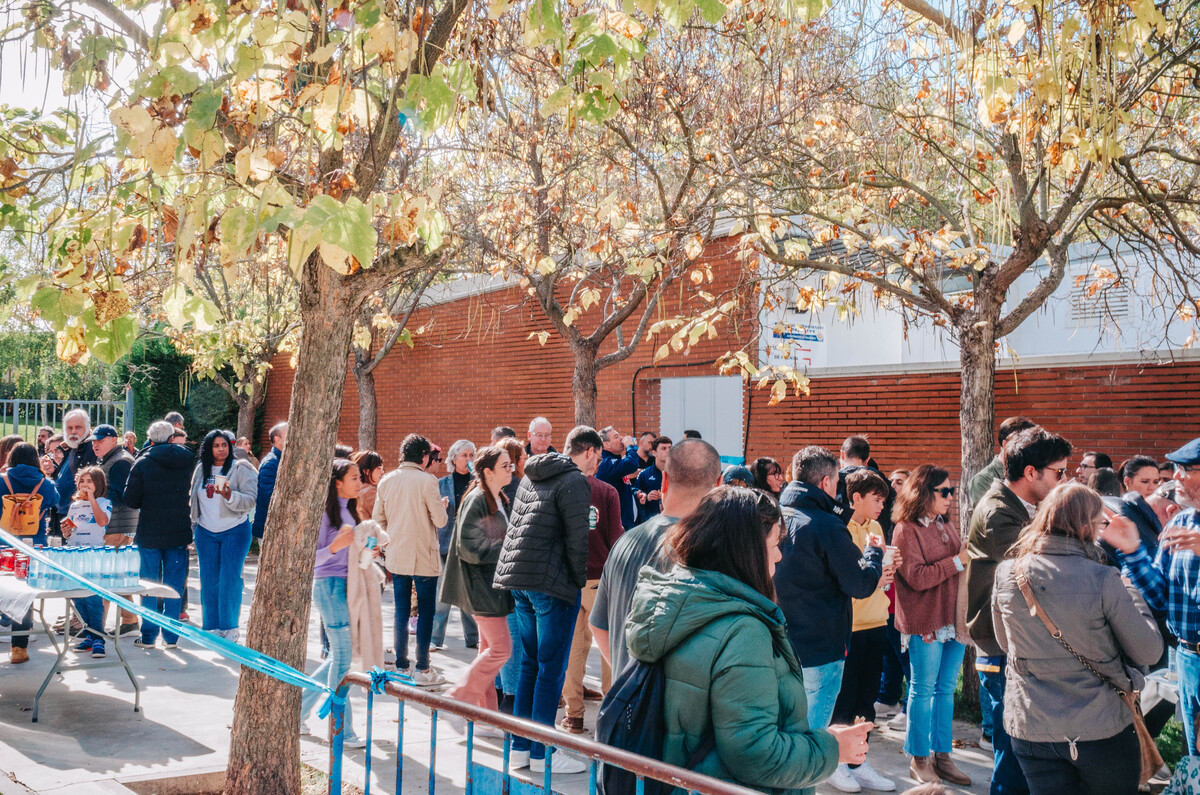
709 404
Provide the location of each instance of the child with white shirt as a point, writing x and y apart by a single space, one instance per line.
84 527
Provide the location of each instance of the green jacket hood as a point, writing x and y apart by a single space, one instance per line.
670 607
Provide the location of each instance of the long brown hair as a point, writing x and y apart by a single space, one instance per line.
727 533
516 451
915 499
487 458
98 480
1069 511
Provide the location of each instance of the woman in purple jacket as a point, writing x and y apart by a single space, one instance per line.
329 585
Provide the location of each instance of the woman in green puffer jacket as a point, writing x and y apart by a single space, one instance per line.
730 671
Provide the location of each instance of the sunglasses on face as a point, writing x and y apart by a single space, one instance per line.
946 491
1061 472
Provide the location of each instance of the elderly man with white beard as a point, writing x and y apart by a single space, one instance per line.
76 428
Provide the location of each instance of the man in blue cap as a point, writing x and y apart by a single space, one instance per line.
1171 580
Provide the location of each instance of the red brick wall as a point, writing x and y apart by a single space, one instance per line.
473 367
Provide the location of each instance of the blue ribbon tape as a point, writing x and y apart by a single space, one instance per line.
380 678
243 654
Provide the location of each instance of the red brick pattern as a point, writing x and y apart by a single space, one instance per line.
473 367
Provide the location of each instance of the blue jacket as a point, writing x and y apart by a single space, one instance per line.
268 470
648 480
65 477
445 533
25 479
613 470
821 571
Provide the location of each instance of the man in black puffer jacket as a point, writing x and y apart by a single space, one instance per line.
544 563
160 484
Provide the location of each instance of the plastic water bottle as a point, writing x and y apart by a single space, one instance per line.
133 566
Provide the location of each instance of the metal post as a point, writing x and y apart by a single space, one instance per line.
337 724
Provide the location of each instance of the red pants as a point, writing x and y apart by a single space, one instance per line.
478 685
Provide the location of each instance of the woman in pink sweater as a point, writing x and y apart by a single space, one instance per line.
927 618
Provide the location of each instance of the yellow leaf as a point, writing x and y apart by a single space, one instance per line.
70 345
160 154
693 247
778 392
136 122
336 258
663 352
252 164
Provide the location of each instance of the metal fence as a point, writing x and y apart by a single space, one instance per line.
24 417
594 752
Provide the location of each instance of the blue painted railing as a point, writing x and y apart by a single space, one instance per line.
595 753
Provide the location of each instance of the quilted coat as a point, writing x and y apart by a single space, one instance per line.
546 546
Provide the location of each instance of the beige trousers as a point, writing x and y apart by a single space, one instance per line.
581 644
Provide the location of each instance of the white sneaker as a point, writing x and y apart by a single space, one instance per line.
869 777
428 678
985 743
561 763
843 780
899 723
885 710
354 742
518 760
232 635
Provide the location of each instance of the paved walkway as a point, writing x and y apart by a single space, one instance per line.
89 739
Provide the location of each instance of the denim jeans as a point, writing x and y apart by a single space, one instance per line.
985 708
91 613
402 587
547 627
895 667
441 619
1091 767
170 567
510 674
821 686
1187 665
329 595
935 668
1007 777
222 562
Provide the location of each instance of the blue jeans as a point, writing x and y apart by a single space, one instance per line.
1187 665
1007 778
986 707
222 561
547 629
510 674
441 618
329 595
895 667
91 613
170 567
935 668
822 683
402 588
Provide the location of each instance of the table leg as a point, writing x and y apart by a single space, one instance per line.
116 645
58 663
40 610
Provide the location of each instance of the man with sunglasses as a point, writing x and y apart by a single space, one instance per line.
1169 580
1035 461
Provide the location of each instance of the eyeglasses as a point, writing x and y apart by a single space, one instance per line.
1184 468
1061 472
1087 466
945 491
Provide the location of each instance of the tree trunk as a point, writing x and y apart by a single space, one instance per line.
976 417
247 408
977 404
264 753
368 403
583 384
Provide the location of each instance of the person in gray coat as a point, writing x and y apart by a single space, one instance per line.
224 493
1070 730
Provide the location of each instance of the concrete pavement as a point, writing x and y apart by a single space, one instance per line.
89 739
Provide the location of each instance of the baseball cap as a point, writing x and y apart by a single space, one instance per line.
737 472
102 432
1188 455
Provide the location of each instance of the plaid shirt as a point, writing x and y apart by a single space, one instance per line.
1171 581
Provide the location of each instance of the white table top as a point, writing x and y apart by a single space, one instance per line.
14 585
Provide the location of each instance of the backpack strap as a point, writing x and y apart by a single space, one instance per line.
706 746
8 483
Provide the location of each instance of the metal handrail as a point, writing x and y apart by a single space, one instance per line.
641 766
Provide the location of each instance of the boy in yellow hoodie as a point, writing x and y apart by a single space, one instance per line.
866 492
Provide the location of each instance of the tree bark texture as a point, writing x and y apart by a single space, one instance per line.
368 401
977 404
247 409
264 750
583 383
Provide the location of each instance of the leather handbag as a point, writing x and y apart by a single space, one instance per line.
1152 761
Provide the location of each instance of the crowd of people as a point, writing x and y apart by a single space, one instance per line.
789 608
